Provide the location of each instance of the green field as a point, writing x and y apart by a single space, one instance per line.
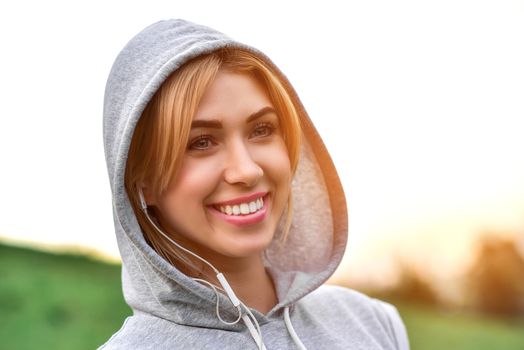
50 301
430 329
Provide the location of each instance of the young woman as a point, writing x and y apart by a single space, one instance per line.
229 213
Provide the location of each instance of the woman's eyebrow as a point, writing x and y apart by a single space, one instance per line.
217 124
260 113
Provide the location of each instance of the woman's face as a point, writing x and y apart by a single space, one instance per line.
234 181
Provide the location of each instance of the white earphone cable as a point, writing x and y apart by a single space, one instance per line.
218 302
144 209
254 330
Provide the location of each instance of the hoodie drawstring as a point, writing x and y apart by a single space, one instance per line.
256 334
291 330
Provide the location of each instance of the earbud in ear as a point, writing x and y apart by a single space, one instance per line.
143 204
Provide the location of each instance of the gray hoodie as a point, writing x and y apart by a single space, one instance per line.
171 310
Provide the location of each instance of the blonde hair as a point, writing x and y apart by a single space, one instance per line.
161 134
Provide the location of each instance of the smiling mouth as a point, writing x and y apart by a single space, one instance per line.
240 209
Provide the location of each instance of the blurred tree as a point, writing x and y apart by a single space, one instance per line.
413 287
496 279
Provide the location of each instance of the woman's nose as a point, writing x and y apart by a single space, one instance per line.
241 167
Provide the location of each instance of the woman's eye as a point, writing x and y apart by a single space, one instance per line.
203 142
263 130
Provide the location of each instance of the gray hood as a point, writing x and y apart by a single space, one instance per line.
151 285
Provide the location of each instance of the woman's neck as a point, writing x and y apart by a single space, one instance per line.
250 282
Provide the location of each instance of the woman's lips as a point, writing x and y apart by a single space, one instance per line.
243 199
235 213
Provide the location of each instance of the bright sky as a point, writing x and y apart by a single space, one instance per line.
421 104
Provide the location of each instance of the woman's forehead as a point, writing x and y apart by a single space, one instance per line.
232 95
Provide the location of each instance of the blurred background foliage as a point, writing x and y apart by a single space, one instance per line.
485 310
57 301
64 301
493 284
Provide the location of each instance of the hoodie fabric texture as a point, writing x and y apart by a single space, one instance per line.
171 310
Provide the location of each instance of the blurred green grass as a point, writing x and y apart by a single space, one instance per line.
52 301
431 329
56 301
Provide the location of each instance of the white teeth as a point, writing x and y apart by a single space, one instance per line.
236 210
243 208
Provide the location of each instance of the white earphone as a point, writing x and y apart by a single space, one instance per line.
254 329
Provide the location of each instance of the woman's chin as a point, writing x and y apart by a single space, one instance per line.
244 249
